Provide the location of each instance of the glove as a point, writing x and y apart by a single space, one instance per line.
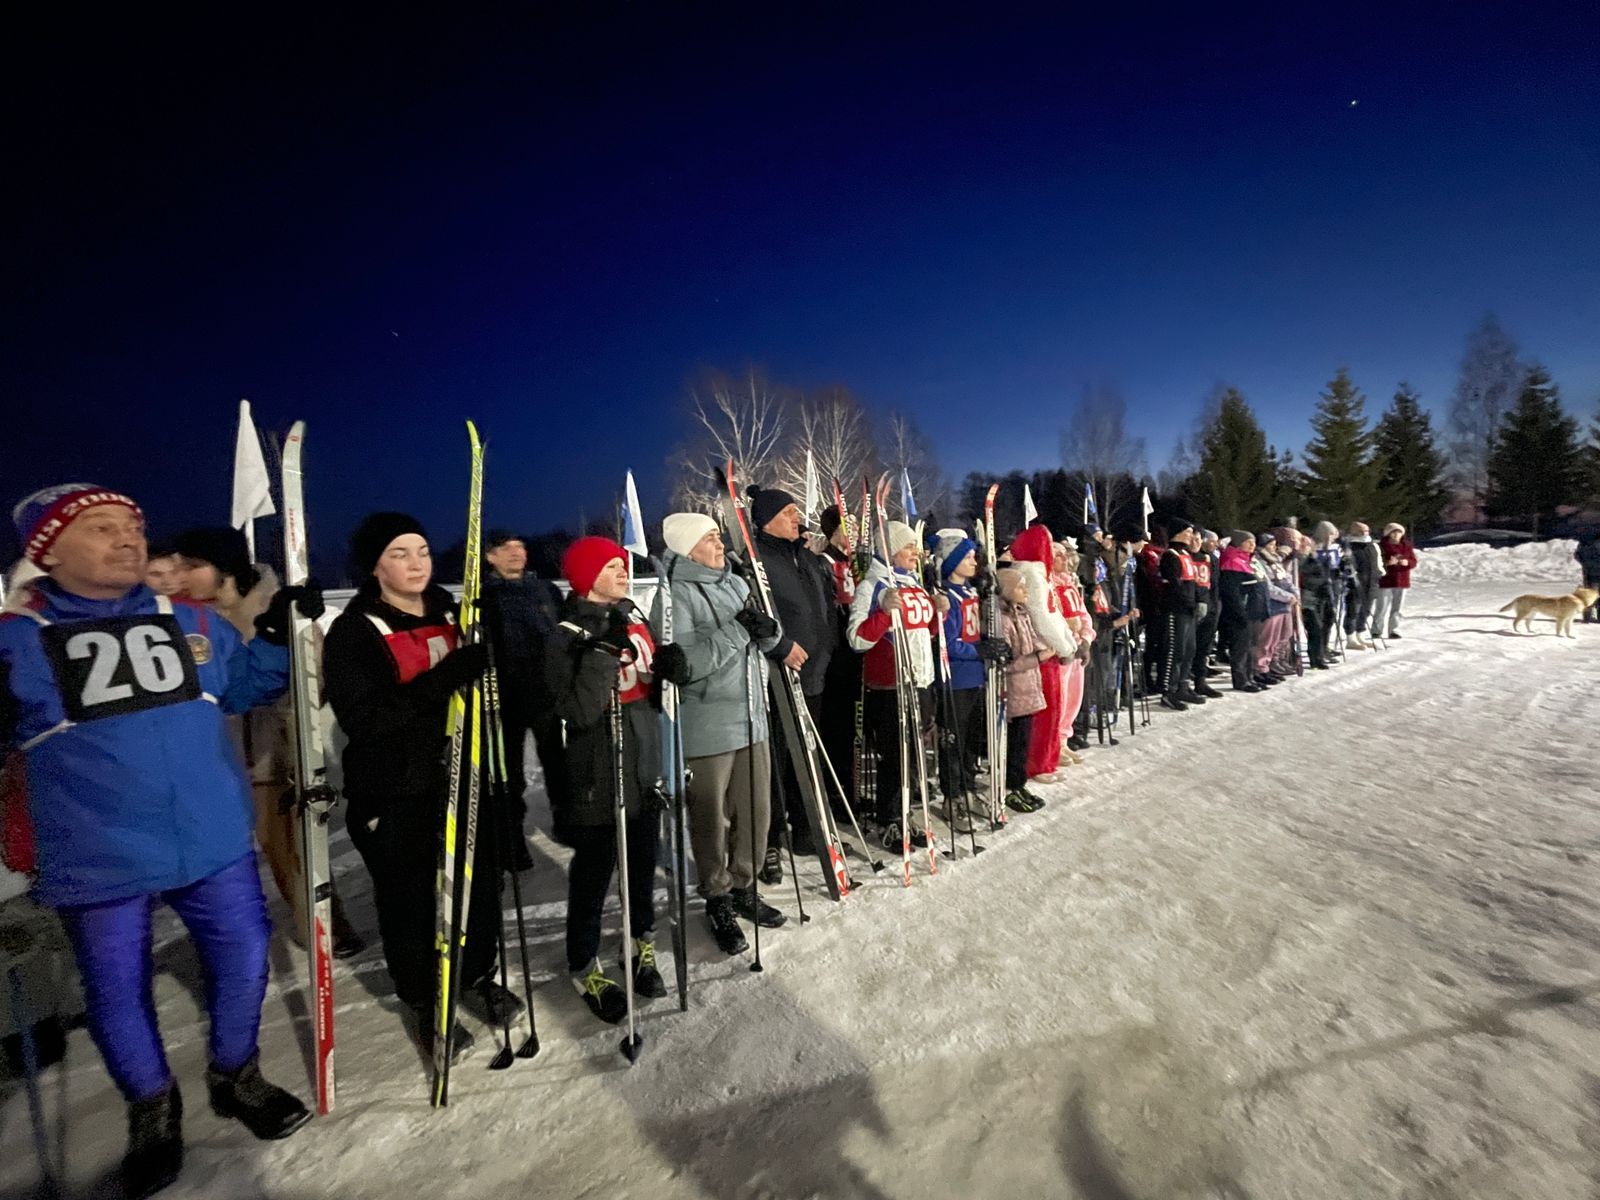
671 664
994 650
614 639
758 625
272 626
459 668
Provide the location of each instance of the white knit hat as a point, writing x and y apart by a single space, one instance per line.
900 535
683 531
1393 527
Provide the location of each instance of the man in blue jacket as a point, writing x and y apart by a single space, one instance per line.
116 697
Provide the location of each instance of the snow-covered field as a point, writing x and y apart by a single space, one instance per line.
1340 940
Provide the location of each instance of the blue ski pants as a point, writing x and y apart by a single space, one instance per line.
226 916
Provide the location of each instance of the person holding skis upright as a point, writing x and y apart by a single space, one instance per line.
888 588
1074 712
955 557
841 686
116 699
603 651
803 590
1032 553
1318 576
391 662
719 663
215 569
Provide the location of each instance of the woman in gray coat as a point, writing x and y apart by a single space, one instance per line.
722 698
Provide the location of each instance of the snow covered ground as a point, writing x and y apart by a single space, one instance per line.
1338 940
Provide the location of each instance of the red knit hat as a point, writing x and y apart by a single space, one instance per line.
586 558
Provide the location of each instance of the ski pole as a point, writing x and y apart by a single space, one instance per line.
750 796
497 766
633 1043
844 798
30 1070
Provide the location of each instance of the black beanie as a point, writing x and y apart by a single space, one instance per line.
1130 533
224 548
372 538
766 503
1177 525
829 522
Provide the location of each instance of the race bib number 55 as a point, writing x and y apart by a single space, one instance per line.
120 665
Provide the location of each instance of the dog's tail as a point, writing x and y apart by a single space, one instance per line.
1509 607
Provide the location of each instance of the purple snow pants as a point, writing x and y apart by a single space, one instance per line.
226 916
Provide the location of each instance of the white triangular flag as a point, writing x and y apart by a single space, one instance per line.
813 489
1030 514
1148 508
632 521
252 487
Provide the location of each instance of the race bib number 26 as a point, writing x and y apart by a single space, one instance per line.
120 665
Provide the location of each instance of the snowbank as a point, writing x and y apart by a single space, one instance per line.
1531 561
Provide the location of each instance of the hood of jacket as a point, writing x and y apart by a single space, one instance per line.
1236 558
1034 545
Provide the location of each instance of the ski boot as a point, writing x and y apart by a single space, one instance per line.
725 926
605 997
747 903
647 981
771 867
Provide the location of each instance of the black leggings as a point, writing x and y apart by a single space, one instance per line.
882 717
594 863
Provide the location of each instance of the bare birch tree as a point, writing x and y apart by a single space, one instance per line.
743 418
907 449
1096 444
835 428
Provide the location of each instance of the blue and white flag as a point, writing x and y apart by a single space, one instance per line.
633 521
1091 512
907 500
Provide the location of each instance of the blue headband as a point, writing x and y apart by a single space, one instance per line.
953 560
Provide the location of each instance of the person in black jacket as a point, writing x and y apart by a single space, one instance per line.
802 592
602 651
390 665
1181 601
1366 563
841 687
1588 556
521 610
1316 601
1208 612
1244 607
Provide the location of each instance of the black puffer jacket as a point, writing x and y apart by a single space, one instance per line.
1316 580
581 681
802 592
520 614
396 731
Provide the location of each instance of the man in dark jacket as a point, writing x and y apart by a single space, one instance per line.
1316 604
1208 613
521 610
802 592
1366 562
1181 601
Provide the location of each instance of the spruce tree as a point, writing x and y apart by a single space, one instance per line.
1536 463
1341 477
1592 453
1237 484
1411 468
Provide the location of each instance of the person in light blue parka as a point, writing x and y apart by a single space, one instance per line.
722 690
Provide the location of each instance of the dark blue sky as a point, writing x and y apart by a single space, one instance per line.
550 227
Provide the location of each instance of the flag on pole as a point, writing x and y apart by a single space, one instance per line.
632 522
1030 514
252 487
907 500
813 489
1091 511
1147 509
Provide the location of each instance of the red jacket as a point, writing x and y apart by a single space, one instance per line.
1398 560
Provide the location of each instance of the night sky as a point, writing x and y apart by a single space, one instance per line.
386 227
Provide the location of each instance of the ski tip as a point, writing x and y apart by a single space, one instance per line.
632 1046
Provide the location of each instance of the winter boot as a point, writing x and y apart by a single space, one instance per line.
1209 692
889 836
647 979
1020 801
1173 703
495 1004
747 903
347 943
1189 696
605 997
724 925
771 867
265 1109
155 1144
